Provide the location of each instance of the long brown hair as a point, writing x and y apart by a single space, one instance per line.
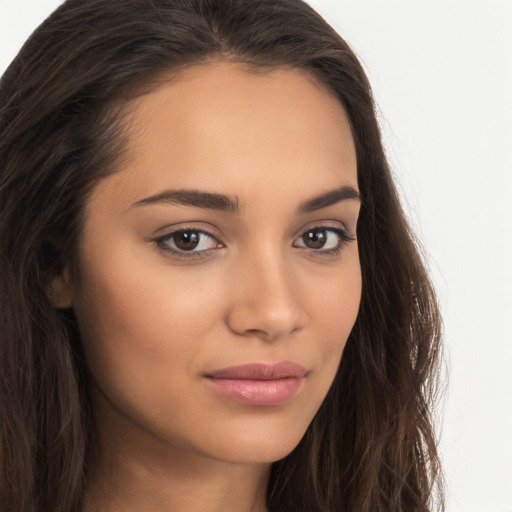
371 447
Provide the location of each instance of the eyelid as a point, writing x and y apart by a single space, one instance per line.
323 224
187 226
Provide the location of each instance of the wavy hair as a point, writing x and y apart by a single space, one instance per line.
372 445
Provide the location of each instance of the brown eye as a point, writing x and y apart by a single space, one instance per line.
186 240
315 238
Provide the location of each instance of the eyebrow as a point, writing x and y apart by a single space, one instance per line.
224 203
328 199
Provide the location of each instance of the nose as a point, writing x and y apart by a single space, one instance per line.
266 302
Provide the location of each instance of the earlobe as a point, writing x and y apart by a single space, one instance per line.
61 291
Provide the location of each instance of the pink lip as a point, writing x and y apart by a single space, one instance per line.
258 384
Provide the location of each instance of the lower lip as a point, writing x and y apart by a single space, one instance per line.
257 392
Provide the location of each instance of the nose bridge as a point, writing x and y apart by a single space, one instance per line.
266 302
270 275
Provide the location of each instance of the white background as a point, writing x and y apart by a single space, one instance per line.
442 76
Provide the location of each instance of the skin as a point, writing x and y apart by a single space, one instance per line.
154 323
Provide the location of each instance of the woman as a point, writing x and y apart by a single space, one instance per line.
211 298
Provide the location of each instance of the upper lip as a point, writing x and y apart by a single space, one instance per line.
260 371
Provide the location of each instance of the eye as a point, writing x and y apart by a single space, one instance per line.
325 240
188 242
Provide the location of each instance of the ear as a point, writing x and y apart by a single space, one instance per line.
61 290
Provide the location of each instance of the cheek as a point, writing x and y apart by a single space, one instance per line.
334 306
142 336
138 321
334 310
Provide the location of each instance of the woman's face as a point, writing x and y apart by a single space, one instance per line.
209 251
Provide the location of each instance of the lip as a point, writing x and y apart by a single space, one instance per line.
258 384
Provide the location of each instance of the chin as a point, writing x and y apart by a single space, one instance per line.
257 453
263 446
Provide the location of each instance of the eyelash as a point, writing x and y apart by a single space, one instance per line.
161 242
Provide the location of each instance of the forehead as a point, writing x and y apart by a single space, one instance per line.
222 128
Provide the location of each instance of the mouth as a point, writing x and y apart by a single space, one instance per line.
258 384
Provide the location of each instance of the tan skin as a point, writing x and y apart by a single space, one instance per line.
154 321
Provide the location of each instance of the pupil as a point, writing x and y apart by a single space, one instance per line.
315 239
187 240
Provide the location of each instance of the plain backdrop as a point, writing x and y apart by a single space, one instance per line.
442 77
